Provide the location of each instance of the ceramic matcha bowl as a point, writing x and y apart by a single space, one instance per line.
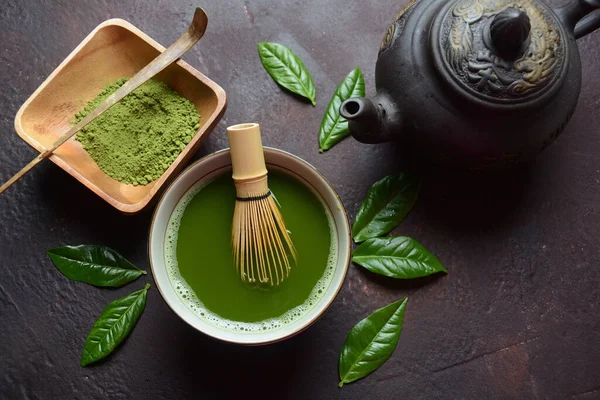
204 171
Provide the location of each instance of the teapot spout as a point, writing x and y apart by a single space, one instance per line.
371 121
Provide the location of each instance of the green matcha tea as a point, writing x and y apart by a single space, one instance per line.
200 258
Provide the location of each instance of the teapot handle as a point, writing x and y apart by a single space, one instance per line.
580 16
588 24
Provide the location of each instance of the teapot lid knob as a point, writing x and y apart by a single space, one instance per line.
509 32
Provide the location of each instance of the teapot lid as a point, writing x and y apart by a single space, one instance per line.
506 52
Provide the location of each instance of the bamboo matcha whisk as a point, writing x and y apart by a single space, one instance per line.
262 247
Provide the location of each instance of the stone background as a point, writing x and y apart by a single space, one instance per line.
517 317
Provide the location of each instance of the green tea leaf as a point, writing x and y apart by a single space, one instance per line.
96 265
397 257
334 127
287 69
371 342
114 324
386 205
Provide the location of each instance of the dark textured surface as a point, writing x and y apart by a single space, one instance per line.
517 317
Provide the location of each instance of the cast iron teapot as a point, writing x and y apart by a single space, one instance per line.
475 83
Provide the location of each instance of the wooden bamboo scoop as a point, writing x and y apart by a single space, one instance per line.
185 42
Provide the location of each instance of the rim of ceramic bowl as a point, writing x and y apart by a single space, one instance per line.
250 338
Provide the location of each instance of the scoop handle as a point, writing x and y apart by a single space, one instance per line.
24 170
247 155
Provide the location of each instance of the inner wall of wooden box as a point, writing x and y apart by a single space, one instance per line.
112 53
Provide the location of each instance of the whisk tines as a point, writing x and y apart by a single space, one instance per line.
262 247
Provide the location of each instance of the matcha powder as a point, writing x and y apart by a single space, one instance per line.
138 138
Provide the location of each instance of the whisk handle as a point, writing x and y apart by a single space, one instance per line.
247 156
